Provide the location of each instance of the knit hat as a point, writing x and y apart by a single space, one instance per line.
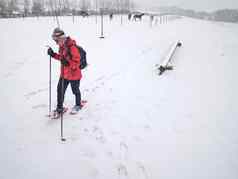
58 33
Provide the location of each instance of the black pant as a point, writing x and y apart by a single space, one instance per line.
61 88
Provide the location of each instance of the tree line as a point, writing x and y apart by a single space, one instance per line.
15 8
25 8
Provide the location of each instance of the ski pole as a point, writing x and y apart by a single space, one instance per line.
62 97
50 86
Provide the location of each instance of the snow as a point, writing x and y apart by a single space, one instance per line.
136 125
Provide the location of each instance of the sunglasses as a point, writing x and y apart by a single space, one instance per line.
55 38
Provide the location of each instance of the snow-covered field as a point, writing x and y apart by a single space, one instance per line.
136 125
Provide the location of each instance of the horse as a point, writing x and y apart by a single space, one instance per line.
84 13
138 16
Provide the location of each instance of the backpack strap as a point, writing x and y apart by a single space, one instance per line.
68 51
67 47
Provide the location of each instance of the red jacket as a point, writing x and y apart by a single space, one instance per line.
69 52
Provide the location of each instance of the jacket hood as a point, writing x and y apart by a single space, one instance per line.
70 42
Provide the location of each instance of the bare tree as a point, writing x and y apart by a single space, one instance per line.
127 5
66 6
84 5
12 6
132 5
26 7
55 10
37 8
3 7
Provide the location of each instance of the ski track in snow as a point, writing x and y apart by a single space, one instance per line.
34 93
14 68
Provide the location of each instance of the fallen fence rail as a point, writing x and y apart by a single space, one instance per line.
165 63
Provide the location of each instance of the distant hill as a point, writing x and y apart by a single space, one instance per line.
226 15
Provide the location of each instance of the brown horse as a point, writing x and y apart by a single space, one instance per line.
138 16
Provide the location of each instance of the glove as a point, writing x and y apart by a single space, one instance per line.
64 62
50 52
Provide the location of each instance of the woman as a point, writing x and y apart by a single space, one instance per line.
69 57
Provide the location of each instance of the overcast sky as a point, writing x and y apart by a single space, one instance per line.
207 5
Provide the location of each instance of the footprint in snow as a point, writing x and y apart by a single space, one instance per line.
99 134
122 171
33 93
123 150
39 106
142 171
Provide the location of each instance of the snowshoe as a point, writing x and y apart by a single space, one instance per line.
77 108
57 113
